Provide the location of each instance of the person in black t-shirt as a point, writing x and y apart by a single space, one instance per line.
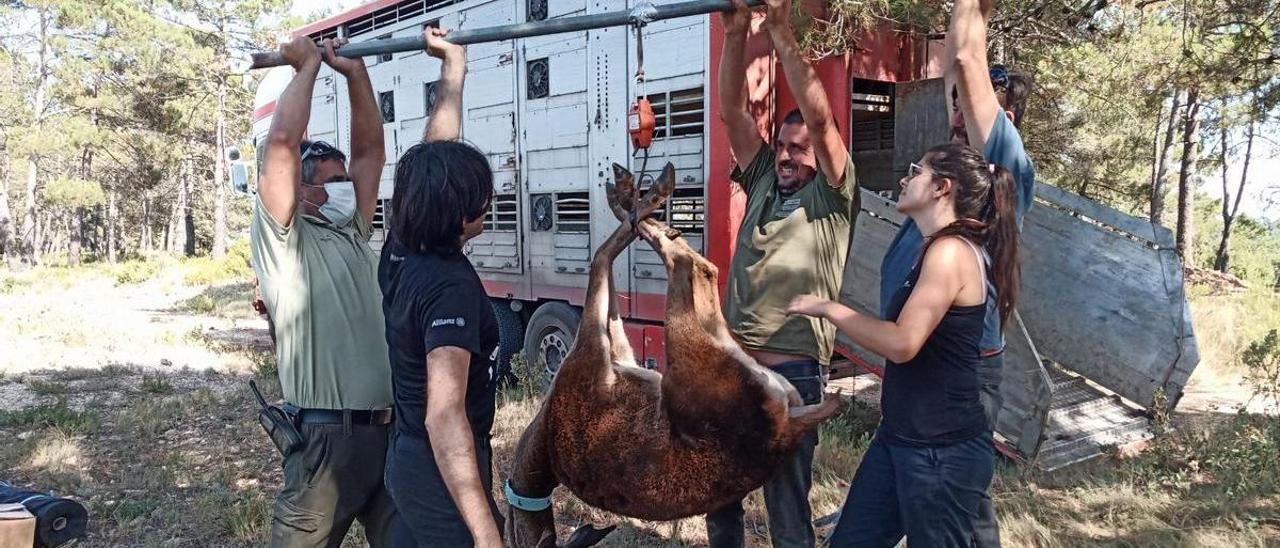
926 472
442 336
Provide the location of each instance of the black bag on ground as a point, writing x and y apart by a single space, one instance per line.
58 520
278 424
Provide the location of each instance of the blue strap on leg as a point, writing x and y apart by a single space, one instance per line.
528 504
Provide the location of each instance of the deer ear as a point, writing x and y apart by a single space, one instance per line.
668 175
621 173
588 535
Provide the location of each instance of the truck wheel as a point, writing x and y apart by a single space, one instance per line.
548 339
510 338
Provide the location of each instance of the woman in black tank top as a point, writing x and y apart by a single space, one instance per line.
932 456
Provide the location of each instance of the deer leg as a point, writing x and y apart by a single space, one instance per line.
600 330
705 377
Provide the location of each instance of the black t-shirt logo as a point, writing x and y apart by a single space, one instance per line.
459 322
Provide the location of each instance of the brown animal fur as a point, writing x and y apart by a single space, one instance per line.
643 444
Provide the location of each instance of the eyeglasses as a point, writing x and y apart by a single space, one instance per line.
914 169
319 149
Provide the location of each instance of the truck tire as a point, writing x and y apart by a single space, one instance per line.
547 340
510 338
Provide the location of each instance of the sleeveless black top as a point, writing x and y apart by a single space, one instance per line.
933 400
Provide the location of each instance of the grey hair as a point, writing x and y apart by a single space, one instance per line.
309 169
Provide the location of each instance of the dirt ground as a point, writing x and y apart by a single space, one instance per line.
132 398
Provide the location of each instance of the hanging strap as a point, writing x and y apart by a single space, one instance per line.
983 261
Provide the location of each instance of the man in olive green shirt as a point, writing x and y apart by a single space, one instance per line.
802 199
318 277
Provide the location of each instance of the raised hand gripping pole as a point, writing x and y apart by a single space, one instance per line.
519 30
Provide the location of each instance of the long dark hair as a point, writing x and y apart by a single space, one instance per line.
438 184
984 206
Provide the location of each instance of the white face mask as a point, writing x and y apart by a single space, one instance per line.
341 205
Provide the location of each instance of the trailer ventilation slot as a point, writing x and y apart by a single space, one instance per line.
573 213
872 135
382 215
679 113
503 215
686 210
386 17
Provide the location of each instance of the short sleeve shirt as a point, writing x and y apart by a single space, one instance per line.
319 283
788 246
1005 149
432 300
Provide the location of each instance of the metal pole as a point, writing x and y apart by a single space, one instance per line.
524 30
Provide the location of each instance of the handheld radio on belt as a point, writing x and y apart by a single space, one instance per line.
279 426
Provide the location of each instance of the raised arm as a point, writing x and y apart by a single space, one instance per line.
453 444
281 170
828 147
368 154
446 119
744 135
967 69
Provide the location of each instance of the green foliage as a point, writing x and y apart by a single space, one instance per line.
201 271
1237 460
56 415
129 510
156 384
846 21
47 388
526 383
1262 362
264 365
73 193
123 108
1255 247
135 271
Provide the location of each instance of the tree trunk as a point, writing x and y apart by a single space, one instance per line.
186 212
144 242
1222 261
77 237
6 221
219 176
29 251
1186 179
1160 182
29 248
113 221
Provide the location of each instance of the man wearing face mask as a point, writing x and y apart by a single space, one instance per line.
318 277
802 197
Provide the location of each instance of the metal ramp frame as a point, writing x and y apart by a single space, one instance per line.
1084 420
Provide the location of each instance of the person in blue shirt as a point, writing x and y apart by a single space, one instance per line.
987 104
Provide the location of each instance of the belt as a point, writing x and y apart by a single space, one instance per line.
377 417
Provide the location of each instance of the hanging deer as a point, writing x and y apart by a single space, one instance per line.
649 445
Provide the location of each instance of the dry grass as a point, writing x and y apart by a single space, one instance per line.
174 457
